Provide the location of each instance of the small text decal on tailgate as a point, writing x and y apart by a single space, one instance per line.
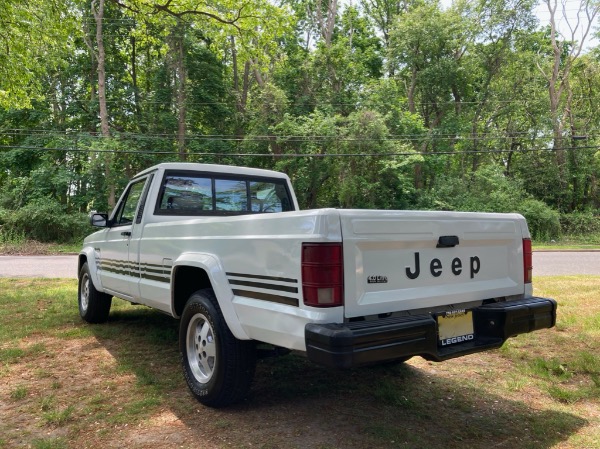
377 280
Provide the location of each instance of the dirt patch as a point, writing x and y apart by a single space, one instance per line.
35 248
67 384
65 374
293 404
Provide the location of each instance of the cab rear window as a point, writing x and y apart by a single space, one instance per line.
184 193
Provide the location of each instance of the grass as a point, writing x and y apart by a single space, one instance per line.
569 242
68 384
51 443
59 417
19 393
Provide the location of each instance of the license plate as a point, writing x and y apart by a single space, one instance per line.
455 327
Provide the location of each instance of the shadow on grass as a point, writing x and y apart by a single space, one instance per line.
294 403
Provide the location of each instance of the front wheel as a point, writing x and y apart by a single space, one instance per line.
217 367
94 306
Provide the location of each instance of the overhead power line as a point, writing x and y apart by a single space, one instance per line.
291 138
299 155
516 101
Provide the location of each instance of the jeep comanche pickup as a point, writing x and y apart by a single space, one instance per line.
226 250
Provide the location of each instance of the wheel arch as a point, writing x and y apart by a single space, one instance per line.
196 271
88 255
186 280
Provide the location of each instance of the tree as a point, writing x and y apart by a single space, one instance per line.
30 33
383 13
427 46
566 49
434 98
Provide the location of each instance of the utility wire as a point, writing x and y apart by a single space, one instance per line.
332 139
299 155
315 103
285 138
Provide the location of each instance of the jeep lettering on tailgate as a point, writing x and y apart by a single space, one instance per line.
436 268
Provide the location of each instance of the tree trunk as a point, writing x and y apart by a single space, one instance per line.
98 12
558 77
411 91
573 168
181 103
136 90
241 93
178 48
326 24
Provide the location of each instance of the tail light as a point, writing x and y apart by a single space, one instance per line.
322 274
527 261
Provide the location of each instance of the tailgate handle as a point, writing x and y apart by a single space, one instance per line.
447 241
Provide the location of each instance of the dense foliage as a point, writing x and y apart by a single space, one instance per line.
370 104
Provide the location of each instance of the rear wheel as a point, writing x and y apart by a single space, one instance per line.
217 367
94 306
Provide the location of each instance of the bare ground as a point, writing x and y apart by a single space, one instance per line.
292 407
66 384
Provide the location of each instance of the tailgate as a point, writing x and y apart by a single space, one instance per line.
407 260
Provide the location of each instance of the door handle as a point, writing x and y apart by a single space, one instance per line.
126 233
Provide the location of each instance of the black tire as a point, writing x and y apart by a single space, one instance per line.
217 367
94 306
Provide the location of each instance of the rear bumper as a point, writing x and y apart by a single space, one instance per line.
367 342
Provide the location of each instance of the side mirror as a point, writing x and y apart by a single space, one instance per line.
99 220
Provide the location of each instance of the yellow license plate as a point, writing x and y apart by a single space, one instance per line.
455 327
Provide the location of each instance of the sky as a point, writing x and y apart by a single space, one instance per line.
568 17
563 20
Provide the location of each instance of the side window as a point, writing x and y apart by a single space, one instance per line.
126 213
231 195
186 194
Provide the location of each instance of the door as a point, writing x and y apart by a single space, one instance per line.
117 273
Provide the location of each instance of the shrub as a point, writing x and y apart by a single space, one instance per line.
488 190
580 223
45 220
543 221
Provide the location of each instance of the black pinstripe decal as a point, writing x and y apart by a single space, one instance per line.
147 271
267 297
275 288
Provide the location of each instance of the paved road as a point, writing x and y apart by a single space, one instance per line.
544 264
552 263
38 266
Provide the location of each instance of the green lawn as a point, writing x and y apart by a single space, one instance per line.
67 384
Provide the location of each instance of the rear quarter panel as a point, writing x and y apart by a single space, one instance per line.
260 256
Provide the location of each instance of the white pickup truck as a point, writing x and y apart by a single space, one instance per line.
228 252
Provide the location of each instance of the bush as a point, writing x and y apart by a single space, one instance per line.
580 223
488 190
10 236
46 221
543 221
